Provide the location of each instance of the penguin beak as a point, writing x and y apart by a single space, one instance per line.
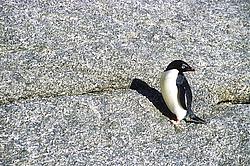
191 69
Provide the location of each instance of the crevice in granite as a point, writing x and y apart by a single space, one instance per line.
44 96
233 102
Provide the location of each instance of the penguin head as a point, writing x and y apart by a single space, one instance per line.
180 65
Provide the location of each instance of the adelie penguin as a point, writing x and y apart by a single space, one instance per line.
177 93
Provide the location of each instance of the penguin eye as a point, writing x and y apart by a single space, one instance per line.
184 66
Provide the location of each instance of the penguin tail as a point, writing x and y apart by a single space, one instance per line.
192 118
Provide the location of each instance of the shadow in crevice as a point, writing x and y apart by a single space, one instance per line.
153 96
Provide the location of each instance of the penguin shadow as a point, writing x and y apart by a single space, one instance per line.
153 95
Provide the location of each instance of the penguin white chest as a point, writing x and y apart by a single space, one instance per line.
170 93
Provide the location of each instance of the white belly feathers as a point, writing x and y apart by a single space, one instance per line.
169 92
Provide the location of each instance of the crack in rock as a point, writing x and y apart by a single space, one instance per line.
42 96
233 102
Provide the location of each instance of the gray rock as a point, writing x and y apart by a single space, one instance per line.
55 49
66 68
119 128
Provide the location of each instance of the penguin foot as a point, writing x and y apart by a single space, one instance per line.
175 122
178 128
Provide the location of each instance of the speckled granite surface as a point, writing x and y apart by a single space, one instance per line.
119 128
66 68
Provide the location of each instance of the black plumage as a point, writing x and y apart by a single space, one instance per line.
185 98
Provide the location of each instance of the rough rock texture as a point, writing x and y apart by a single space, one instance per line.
67 48
122 128
66 68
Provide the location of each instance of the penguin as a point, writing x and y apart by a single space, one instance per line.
177 93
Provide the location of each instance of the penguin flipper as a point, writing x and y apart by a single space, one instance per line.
185 98
184 92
